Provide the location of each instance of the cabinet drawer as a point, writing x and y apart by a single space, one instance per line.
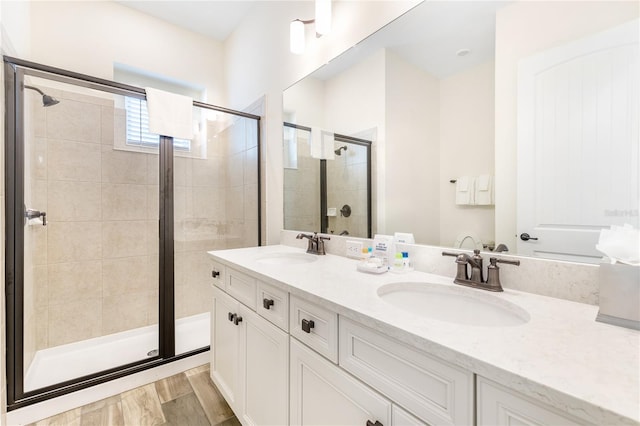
315 326
242 287
498 405
273 304
217 274
437 392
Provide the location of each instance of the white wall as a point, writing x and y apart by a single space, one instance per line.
411 151
305 100
355 98
88 37
258 62
466 148
15 27
522 29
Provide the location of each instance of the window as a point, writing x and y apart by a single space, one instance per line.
138 127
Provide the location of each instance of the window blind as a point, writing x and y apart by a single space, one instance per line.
138 127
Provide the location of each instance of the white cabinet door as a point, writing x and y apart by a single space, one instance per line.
264 371
225 347
499 406
323 394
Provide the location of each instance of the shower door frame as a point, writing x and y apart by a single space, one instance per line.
14 72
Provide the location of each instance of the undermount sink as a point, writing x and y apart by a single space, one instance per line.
287 258
453 304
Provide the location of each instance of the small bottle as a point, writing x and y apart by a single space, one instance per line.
397 262
406 262
365 253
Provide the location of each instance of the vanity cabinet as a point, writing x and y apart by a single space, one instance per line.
500 406
249 362
280 358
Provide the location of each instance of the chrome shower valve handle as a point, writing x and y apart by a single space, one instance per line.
35 214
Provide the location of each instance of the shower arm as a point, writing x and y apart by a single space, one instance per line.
33 88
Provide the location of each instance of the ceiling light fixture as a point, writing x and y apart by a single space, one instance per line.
323 26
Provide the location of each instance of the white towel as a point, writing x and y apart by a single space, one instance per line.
464 190
484 191
170 114
322 144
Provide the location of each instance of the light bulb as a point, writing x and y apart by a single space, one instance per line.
323 16
296 37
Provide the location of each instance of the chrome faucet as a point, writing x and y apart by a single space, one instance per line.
476 280
316 243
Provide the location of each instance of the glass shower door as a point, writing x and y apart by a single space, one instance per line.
215 207
90 235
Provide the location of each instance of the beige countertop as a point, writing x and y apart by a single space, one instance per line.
561 356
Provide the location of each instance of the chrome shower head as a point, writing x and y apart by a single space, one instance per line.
339 150
47 100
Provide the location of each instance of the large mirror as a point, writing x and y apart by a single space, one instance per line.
494 124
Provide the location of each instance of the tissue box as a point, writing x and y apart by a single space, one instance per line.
619 295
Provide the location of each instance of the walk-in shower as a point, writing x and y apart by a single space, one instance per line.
332 196
108 228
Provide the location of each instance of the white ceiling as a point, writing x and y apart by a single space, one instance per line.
215 19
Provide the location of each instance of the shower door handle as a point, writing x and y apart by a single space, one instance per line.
35 214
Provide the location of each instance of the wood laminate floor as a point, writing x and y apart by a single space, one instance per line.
186 399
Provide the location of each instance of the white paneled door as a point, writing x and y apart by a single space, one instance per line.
578 157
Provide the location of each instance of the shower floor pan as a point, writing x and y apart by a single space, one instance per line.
65 362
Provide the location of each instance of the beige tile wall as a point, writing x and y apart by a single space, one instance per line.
302 190
93 270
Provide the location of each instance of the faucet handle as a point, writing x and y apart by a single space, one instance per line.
446 253
493 272
495 260
321 241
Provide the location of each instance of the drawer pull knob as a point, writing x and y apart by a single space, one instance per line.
267 303
307 325
237 320
231 316
370 423
215 274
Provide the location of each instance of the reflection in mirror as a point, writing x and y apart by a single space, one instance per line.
331 194
444 94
